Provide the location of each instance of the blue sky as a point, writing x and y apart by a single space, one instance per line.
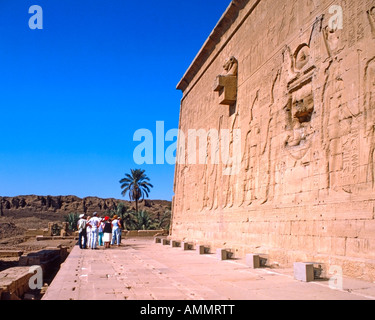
73 94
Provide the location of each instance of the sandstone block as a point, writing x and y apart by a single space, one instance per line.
253 261
304 271
175 243
224 254
165 242
201 249
185 246
10 253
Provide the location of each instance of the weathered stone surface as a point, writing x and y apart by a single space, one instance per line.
10 253
14 282
300 183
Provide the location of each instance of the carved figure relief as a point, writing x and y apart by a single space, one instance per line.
332 40
340 121
248 159
371 18
369 102
300 105
226 84
231 174
210 178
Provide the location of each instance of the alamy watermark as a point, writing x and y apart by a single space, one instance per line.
36 280
336 279
191 147
336 21
36 20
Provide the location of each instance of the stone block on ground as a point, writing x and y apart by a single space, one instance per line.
185 246
202 249
256 261
304 271
175 243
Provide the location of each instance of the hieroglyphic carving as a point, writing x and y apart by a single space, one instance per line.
360 26
351 23
340 120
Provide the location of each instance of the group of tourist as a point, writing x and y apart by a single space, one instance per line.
95 231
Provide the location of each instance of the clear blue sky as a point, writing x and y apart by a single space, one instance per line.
73 94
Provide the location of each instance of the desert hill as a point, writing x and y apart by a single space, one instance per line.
61 205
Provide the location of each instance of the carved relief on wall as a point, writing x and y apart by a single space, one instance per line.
371 18
300 105
369 102
226 84
211 196
231 170
341 118
256 185
332 40
249 166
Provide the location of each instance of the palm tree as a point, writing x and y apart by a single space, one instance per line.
137 185
72 220
127 217
143 220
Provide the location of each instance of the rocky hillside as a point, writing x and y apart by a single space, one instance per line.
56 205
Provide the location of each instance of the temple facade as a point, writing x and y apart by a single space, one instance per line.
277 147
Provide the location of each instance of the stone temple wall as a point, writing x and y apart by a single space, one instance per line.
297 102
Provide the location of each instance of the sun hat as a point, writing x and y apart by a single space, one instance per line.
81 216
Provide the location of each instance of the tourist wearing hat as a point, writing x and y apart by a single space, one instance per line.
107 236
116 231
82 237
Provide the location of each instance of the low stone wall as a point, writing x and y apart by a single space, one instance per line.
142 233
61 229
10 253
14 283
32 233
46 258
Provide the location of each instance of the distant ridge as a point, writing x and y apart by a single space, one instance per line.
31 204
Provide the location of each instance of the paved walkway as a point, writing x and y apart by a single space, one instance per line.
143 270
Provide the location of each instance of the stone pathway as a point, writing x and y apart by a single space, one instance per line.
143 270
